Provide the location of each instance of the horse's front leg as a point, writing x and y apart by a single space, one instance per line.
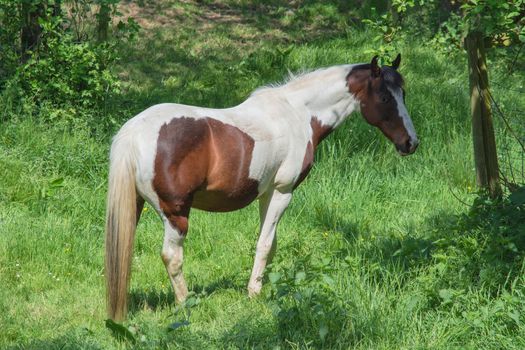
271 208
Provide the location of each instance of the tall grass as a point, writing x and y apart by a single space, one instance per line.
375 251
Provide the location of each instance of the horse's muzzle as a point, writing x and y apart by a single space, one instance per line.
408 147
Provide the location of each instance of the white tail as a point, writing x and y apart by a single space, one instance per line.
121 222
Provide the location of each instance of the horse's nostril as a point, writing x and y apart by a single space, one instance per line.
403 148
407 147
414 145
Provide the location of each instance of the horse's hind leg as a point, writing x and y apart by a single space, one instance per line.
175 228
271 209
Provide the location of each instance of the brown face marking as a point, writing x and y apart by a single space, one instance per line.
202 163
319 132
378 106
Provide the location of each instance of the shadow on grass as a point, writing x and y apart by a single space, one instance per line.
159 299
484 248
481 249
251 333
230 282
153 299
75 339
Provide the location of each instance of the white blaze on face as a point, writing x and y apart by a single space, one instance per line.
403 113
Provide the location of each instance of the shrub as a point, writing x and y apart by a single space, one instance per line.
70 75
65 78
305 295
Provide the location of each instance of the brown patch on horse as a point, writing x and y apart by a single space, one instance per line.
378 106
202 163
319 132
308 162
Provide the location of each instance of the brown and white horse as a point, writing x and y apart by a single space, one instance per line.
178 157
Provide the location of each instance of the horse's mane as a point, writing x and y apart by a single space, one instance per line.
293 78
290 77
388 74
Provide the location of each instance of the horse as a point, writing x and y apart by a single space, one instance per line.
177 157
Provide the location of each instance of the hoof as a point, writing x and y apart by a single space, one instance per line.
254 291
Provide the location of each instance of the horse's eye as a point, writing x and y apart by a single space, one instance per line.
385 98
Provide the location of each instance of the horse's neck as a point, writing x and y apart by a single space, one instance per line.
324 97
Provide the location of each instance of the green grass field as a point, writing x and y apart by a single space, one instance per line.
375 252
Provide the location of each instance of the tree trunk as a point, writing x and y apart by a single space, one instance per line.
485 153
31 29
57 8
103 17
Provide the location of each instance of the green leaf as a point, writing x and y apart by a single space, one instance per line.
119 331
515 316
176 325
323 331
326 261
58 182
518 197
446 295
300 276
328 280
274 277
412 303
192 301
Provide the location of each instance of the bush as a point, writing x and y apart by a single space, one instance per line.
70 81
305 295
70 75
9 24
65 78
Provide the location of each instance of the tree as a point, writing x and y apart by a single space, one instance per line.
103 17
106 8
31 30
485 20
484 141
476 23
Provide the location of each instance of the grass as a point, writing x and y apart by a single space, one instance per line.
375 251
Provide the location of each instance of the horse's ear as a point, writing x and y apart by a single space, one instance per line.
396 62
376 71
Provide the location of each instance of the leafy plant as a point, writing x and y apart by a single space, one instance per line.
67 79
387 31
517 197
10 24
305 295
485 248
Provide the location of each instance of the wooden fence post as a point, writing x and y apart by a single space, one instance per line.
485 152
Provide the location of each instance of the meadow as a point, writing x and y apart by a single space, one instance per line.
375 251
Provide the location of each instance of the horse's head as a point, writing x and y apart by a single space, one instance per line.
381 97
